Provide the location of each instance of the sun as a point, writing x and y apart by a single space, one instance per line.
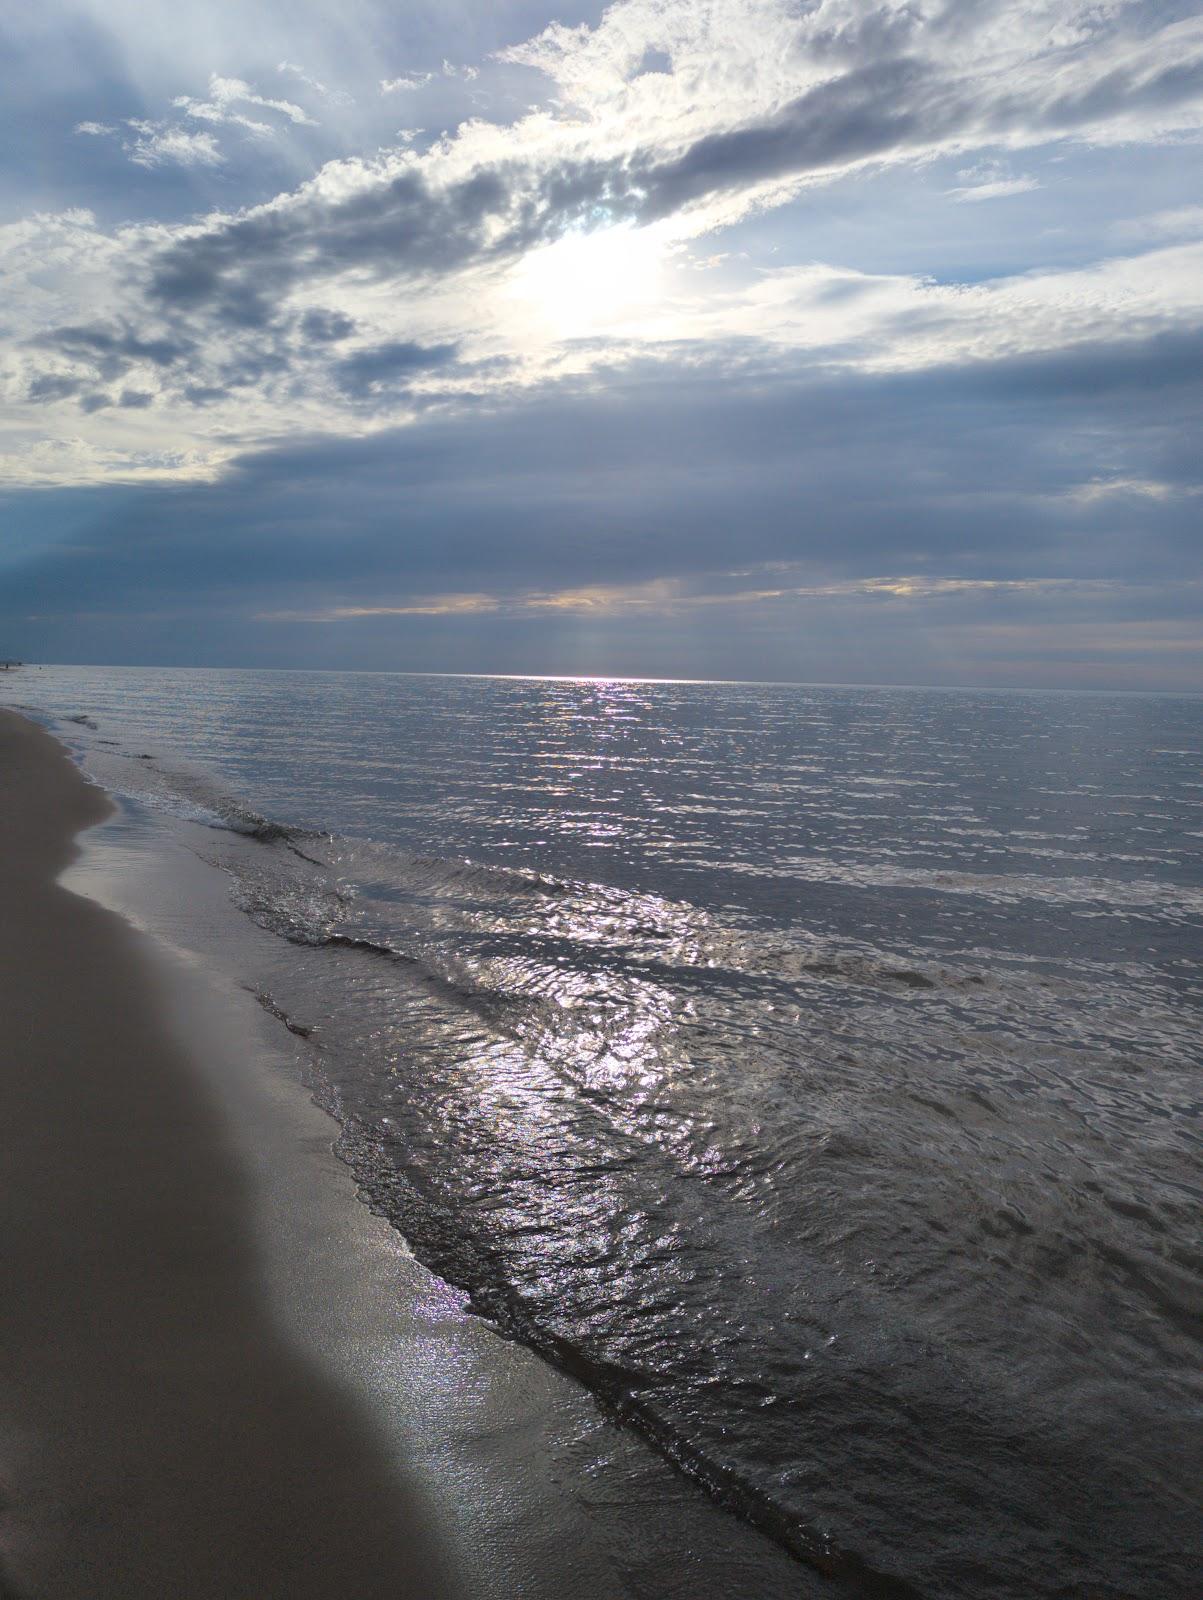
589 283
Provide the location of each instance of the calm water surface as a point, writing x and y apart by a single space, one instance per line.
813 1071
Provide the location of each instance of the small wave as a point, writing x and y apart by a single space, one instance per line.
301 1029
192 796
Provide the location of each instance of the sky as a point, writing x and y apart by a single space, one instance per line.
812 340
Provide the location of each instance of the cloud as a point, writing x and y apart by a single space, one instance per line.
1175 222
99 355
255 353
438 605
1000 189
373 368
227 93
574 486
158 146
508 378
990 180
647 148
291 69
326 327
406 81
1135 488
120 347
53 386
729 591
869 513
742 104
904 321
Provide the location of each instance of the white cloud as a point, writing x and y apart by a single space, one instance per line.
96 129
990 180
905 322
292 70
1177 222
997 190
66 459
736 61
227 93
407 80
1130 489
157 146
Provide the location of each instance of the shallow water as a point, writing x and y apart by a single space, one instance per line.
813 1071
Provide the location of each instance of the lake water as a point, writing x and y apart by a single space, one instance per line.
812 1071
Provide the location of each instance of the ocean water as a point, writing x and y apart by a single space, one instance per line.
811 1071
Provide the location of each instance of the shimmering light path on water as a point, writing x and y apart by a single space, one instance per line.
811 1070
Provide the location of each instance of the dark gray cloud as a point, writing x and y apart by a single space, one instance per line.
53 386
899 104
203 394
386 366
888 106
327 327
240 271
1161 368
938 473
100 344
102 355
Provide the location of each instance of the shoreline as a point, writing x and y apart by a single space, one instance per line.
157 1426
221 1375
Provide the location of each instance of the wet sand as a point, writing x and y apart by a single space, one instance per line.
157 1436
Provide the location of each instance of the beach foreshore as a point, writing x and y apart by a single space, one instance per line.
159 1435
219 1375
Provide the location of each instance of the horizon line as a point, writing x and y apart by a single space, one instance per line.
618 678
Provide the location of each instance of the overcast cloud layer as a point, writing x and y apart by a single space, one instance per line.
746 338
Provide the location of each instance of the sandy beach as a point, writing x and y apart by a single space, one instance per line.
155 1425
219 1374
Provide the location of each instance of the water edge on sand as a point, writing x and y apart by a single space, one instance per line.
221 1375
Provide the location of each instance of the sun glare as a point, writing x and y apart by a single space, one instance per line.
587 283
